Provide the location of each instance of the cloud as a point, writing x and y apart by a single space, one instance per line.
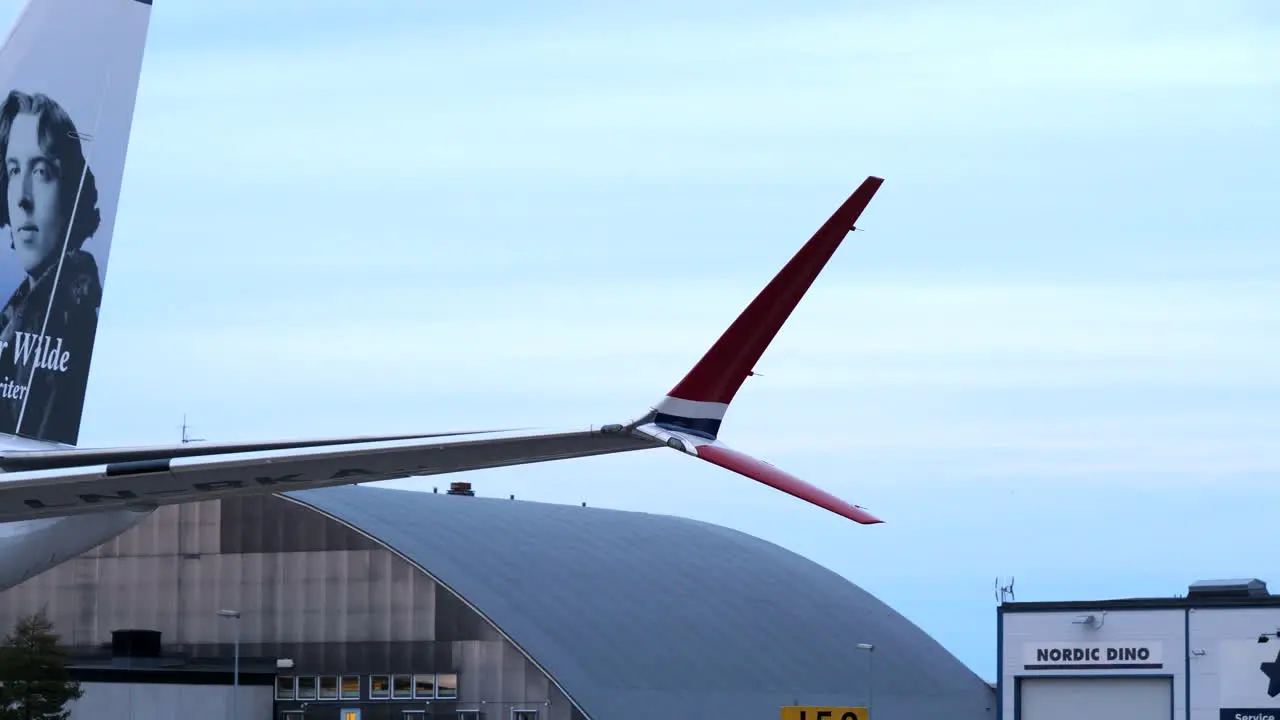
584 339
1092 44
985 381
591 95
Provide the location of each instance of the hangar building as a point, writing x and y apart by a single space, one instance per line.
390 604
1213 654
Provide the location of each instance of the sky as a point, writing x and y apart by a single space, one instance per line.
1050 355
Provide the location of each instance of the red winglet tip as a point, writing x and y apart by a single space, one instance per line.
767 474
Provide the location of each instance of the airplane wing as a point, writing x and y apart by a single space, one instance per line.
50 483
148 483
20 460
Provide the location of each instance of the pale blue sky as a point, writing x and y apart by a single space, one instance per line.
1051 355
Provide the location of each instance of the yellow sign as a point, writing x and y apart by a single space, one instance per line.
825 713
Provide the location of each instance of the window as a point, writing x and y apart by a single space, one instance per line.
413 715
291 715
468 715
524 714
284 687
424 687
379 687
402 687
446 686
350 687
329 687
306 688
350 715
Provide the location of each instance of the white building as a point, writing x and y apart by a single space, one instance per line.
1211 655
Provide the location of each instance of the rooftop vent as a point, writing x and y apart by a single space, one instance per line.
461 488
1239 588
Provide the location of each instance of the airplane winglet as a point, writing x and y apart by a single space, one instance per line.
688 418
697 404
761 471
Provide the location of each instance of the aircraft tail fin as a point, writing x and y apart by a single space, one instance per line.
69 73
689 417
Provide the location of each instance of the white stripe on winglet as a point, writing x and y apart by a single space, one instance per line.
696 409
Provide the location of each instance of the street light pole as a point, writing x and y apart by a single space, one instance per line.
871 672
235 677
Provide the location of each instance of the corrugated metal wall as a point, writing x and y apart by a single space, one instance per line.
307 588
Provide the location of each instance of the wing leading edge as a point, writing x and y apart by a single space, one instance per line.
18 461
143 484
54 483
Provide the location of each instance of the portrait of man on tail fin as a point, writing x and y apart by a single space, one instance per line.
48 324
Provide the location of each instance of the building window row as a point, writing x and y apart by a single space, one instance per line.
516 714
390 686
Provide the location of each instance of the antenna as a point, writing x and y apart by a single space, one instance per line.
185 427
1004 593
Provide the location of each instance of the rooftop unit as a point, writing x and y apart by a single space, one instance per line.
1235 588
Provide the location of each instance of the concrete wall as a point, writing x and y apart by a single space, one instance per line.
1219 669
1046 644
308 589
1226 662
154 701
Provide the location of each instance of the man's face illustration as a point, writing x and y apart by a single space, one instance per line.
34 216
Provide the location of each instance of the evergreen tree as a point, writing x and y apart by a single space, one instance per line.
35 683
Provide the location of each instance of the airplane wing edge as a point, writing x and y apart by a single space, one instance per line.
717 453
12 461
146 484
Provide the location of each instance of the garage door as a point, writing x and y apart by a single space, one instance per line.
1095 698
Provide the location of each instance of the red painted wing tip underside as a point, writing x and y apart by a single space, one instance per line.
763 472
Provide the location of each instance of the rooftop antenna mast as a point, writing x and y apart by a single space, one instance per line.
1004 593
185 427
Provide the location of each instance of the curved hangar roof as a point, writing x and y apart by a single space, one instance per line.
629 611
